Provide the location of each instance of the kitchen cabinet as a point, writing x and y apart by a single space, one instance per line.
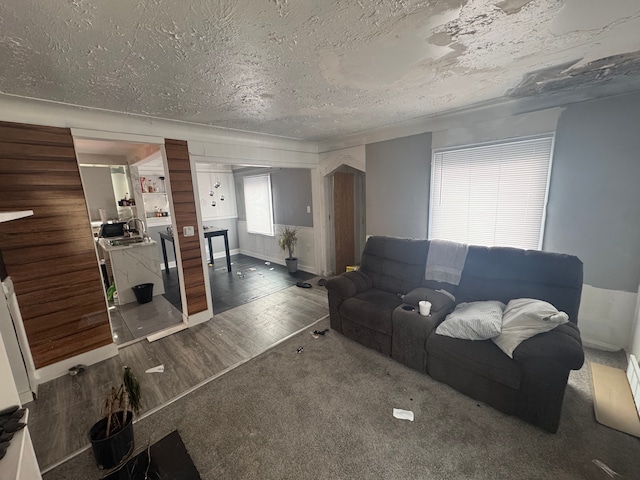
131 265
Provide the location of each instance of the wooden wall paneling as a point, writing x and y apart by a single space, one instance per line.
184 211
51 255
91 339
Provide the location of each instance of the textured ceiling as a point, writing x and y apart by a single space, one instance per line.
306 68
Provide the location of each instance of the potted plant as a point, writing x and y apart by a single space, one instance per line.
287 241
112 436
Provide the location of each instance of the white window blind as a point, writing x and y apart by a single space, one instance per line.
258 204
491 194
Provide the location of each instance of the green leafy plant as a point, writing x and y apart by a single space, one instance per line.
122 399
288 239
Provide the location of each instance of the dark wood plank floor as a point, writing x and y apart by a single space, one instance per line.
67 407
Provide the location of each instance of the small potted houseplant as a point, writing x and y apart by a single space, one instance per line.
112 436
287 241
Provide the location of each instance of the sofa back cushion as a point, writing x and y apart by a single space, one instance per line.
394 264
503 273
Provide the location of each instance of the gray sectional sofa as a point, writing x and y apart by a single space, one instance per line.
366 306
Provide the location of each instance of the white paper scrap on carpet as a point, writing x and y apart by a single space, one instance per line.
158 369
403 414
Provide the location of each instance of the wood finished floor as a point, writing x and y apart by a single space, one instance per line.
67 407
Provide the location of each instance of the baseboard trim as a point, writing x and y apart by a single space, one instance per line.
166 332
278 261
217 255
172 264
26 397
60 369
607 347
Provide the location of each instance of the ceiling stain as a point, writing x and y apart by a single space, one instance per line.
441 39
308 69
562 77
512 6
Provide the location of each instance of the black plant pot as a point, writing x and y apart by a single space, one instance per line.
292 264
112 450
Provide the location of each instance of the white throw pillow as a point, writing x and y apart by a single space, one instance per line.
473 321
524 318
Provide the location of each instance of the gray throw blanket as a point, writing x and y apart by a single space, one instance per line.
445 261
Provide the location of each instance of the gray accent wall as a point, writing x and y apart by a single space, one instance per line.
397 184
594 194
291 192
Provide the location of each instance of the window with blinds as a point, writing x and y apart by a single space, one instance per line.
258 204
491 194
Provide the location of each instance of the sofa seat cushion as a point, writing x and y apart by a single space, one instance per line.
372 309
478 357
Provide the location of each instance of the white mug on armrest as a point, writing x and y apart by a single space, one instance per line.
425 308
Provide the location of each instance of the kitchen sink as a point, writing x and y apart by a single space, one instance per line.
124 240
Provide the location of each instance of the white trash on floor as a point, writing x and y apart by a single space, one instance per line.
158 369
403 414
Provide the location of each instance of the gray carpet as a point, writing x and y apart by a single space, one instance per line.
326 413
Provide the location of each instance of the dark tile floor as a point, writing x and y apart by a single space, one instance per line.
250 278
172 287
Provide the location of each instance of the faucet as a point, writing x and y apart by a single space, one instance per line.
135 220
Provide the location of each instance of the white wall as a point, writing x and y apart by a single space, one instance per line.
635 337
98 188
267 248
224 209
606 317
9 392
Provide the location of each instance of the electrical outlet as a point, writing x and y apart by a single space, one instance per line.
188 231
308 209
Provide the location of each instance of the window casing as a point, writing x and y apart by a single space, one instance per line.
258 204
492 194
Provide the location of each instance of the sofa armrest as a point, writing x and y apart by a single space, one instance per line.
439 301
342 287
410 332
561 345
546 361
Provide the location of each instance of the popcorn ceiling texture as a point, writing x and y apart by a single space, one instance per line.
303 68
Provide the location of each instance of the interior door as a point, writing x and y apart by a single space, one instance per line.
343 220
